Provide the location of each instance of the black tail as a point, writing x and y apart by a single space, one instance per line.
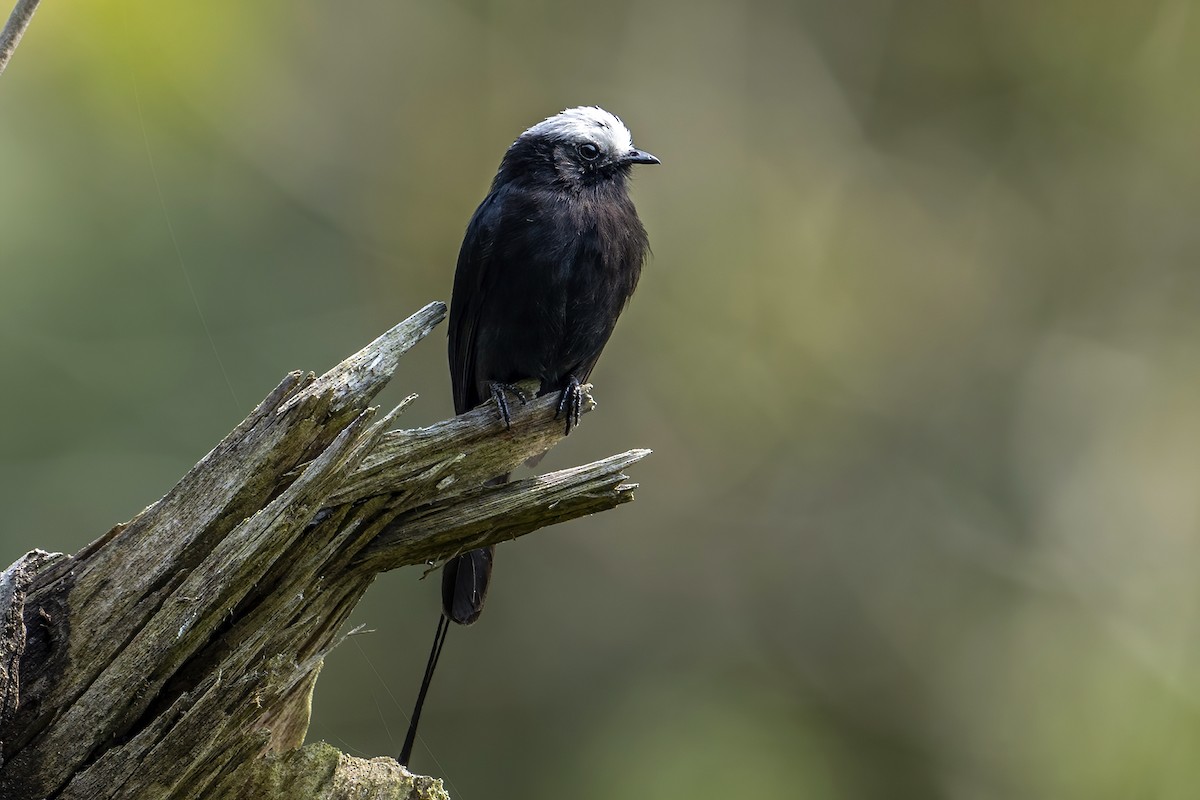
464 590
439 639
465 584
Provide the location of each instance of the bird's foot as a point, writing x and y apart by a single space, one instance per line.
570 403
500 392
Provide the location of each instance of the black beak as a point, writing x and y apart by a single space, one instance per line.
640 157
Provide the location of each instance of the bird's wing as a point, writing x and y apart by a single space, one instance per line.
472 279
584 370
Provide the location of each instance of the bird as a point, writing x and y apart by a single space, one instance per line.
549 260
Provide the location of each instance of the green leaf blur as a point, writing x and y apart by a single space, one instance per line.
918 353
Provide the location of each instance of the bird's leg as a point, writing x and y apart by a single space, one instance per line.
499 391
570 403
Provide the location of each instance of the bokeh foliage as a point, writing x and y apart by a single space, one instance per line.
918 353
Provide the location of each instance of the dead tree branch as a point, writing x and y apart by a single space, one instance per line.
14 29
175 656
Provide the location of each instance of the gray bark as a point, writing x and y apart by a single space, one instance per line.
14 29
176 655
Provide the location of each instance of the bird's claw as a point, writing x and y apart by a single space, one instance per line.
570 404
500 392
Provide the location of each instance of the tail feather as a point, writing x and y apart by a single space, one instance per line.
439 639
465 581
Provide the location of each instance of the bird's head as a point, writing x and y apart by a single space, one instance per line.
578 147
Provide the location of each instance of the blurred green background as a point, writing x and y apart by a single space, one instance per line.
918 353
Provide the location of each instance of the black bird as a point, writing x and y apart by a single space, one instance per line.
549 260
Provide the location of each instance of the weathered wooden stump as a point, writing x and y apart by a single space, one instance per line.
176 655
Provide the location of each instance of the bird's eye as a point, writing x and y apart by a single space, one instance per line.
589 151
